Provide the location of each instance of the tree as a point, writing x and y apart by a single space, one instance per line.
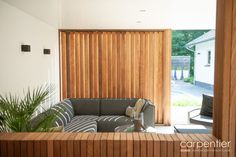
179 39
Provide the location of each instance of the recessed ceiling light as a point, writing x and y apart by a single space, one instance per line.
138 21
143 10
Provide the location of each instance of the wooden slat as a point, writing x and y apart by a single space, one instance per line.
151 65
163 142
83 144
123 145
104 145
77 145
87 65
63 145
117 146
232 121
210 153
109 66
97 145
17 145
114 62
203 150
117 65
197 151
110 145
183 148
130 145
224 118
38 146
70 145
156 145
143 145
92 62
90 145
137 64
176 150
150 145
77 64
82 65
72 71
96 66
63 65
170 146
190 150
167 39
9 146
136 145
158 82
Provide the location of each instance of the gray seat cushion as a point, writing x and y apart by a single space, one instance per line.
203 120
86 106
115 106
109 123
81 124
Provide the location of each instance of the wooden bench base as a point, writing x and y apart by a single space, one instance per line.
104 145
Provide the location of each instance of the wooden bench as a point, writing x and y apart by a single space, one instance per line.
102 145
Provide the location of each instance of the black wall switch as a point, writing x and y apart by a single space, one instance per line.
25 48
46 51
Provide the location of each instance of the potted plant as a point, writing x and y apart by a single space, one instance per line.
16 113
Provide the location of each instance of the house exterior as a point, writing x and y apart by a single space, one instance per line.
204 50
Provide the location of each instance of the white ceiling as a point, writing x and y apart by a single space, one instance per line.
45 10
122 14
105 14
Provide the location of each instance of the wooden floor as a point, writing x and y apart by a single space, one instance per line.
103 145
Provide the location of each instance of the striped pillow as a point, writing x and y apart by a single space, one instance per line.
64 111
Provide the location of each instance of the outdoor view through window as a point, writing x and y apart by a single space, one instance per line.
193 57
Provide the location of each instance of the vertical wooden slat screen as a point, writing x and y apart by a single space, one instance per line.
118 64
224 126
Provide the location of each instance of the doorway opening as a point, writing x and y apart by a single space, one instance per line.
193 61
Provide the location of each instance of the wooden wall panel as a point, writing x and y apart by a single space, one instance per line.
104 144
225 75
118 64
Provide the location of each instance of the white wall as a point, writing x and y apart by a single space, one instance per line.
204 73
30 69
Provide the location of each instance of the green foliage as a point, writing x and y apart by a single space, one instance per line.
189 80
16 113
179 39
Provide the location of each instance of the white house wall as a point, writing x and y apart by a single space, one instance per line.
204 73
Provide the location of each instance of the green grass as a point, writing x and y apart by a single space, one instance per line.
186 101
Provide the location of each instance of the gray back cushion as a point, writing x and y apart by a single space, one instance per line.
207 105
84 106
115 106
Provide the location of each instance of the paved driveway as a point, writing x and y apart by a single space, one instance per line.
179 88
